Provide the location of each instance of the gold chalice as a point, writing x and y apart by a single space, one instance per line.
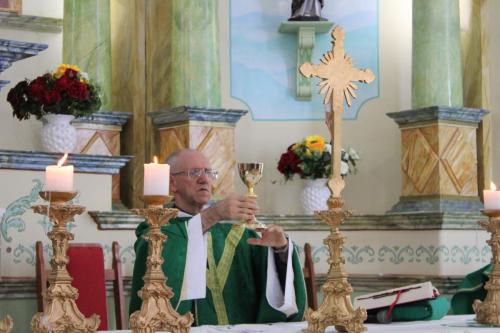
251 174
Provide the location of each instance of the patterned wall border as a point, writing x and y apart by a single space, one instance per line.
400 254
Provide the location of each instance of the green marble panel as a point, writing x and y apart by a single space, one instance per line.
194 55
436 60
87 43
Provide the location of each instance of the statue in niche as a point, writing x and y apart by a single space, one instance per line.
307 10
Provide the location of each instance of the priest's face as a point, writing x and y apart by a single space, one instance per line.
191 181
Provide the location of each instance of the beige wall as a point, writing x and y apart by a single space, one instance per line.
376 137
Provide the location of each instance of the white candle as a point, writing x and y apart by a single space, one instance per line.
59 178
156 178
491 198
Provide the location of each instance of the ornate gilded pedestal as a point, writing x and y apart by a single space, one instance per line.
6 324
336 308
488 311
61 314
156 313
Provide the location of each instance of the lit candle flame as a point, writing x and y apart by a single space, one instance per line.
155 160
62 160
493 187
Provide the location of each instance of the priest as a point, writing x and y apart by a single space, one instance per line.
221 273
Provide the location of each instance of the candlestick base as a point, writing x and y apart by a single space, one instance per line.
336 309
6 324
157 313
488 311
62 313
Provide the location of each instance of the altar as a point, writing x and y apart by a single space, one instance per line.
449 324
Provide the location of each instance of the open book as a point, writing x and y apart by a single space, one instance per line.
391 297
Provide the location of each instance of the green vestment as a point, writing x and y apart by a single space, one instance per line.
470 289
244 291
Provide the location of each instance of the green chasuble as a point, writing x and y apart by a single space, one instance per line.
470 289
236 276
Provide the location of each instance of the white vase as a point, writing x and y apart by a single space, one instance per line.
58 135
314 195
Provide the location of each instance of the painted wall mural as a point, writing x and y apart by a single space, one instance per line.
264 61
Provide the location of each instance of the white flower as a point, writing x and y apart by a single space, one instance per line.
344 168
353 154
84 75
328 147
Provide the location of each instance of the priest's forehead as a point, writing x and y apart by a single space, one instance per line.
186 159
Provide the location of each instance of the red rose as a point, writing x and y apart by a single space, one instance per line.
15 95
289 164
63 83
78 90
36 89
51 97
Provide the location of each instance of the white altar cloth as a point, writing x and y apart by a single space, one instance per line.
449 324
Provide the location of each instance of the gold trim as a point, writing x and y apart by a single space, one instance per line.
217 274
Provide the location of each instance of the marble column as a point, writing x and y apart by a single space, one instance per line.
87 43
194 54
436 60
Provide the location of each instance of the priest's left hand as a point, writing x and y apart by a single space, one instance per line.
272 236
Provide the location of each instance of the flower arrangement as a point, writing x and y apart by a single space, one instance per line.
65 91
311 159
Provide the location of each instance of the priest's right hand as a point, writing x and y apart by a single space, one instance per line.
234 207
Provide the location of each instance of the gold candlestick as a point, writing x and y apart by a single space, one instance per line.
488 311
157 313
6 324
62 313
337 74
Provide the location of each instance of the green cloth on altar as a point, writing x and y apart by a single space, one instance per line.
244 293
470 289
431 309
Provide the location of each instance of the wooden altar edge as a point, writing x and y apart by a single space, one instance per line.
124 220
37 161
25 287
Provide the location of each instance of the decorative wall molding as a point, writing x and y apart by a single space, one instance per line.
113 118
26 160
182 114
120 220
28 22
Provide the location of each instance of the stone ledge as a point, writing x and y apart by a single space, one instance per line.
26 160
437 113
102 117
125 220
181 114
32 23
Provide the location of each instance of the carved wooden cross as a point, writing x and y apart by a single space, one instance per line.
337 73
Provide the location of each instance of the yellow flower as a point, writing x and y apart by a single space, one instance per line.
315 143
62 69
